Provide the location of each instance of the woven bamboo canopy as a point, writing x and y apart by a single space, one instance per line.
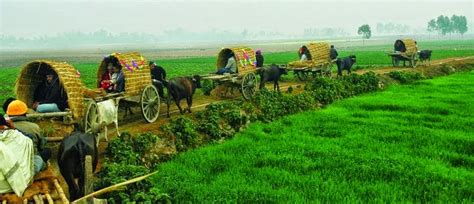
319 54
244 57
409 45
135 69
33 74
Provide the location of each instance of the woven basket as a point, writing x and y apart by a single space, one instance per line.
135 69
410 46
33 73
320 55
244 65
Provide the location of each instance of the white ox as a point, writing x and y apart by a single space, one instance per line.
108 114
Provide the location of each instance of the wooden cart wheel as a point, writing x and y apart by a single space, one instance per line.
326 72
394 61
413 61
91 119
249 85
150 103
302 75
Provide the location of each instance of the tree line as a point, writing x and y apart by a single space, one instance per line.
446 25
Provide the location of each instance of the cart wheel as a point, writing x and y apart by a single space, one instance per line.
394 61
413 61
302 75
327 74
91 119
249 83
150 103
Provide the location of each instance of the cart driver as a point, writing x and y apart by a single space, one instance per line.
50 95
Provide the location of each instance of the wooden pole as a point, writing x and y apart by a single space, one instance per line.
37 199
45 115
88 188
114 187
48 197
60 192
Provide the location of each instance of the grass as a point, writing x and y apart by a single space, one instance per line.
367 57
409 143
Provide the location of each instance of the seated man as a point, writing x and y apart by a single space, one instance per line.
16 156
230 67
158 77
50 95
118 79
16 111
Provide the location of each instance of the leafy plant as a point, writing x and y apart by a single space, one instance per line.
183 131
405 77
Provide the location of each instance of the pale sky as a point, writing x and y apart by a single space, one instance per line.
48 17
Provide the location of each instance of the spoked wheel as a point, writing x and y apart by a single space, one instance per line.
249 85
150 103
327 71
413 61
395 61
302 75
91 119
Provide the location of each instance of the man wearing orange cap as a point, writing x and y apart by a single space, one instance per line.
16 112
17 159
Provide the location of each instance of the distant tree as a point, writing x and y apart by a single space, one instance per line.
432 27
444 25
365 31
459 24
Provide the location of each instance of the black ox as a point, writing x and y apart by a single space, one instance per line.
182 88
271 74
425 55
71 160
345 64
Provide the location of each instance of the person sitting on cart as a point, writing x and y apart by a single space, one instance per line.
16 111
105 82
17 156
230 67
333 53
158 77
304 56
118 79
259 58
50 95
399 47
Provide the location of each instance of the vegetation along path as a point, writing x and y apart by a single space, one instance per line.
409 143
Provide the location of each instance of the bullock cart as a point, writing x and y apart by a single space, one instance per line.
245 78
318 61
404 50
82 103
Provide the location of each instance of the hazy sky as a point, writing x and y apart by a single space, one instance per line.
48 17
